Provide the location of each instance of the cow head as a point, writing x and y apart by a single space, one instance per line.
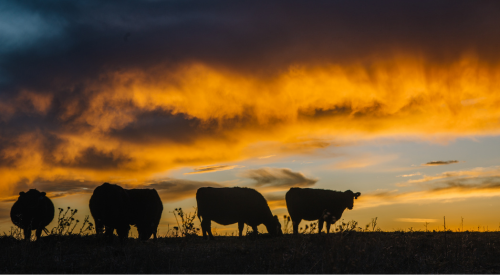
274 227
350 197
279 232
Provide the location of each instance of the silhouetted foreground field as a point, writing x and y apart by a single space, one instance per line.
354 252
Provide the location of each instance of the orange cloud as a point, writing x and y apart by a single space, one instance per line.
139 123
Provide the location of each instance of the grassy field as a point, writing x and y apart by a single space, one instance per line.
347 252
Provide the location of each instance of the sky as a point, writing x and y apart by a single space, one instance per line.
398 100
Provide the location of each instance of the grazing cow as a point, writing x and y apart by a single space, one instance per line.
234 205
117 208
110 207
32 211
146 211
318 204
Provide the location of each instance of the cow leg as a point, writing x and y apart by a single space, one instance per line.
206 226
155 227
99 227
123 232
27 233
328 224
108 233
295 224
204 229
38 233
255 230
142 235
241 225
320 225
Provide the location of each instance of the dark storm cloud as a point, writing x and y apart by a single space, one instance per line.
278 177
161 126
95 159
440 162
240 35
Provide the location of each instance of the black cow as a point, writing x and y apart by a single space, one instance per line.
234 205
117 208
318 204
110 207
32 211
146 211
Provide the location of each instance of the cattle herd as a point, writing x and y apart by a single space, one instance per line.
115 208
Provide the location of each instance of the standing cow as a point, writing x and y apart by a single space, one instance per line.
32 211
318 204
114 207
146 211
110 207
234 205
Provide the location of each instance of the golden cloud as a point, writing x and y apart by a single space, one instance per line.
136 124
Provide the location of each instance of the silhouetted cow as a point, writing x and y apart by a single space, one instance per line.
146 211
32 211
110 207
234 205
117 208
318 204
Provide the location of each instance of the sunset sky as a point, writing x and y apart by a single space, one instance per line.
398 100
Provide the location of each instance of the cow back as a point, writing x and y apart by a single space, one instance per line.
110 204
309 204
231 205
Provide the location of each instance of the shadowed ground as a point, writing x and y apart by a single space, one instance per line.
354 252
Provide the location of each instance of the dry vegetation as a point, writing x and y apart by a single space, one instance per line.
349 250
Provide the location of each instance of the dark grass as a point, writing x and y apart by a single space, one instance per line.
352 252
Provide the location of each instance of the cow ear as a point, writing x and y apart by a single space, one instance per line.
356 195
21 193
43 194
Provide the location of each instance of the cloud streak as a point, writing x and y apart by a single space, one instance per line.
445 187
213 168
439 162
278 178
179 189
